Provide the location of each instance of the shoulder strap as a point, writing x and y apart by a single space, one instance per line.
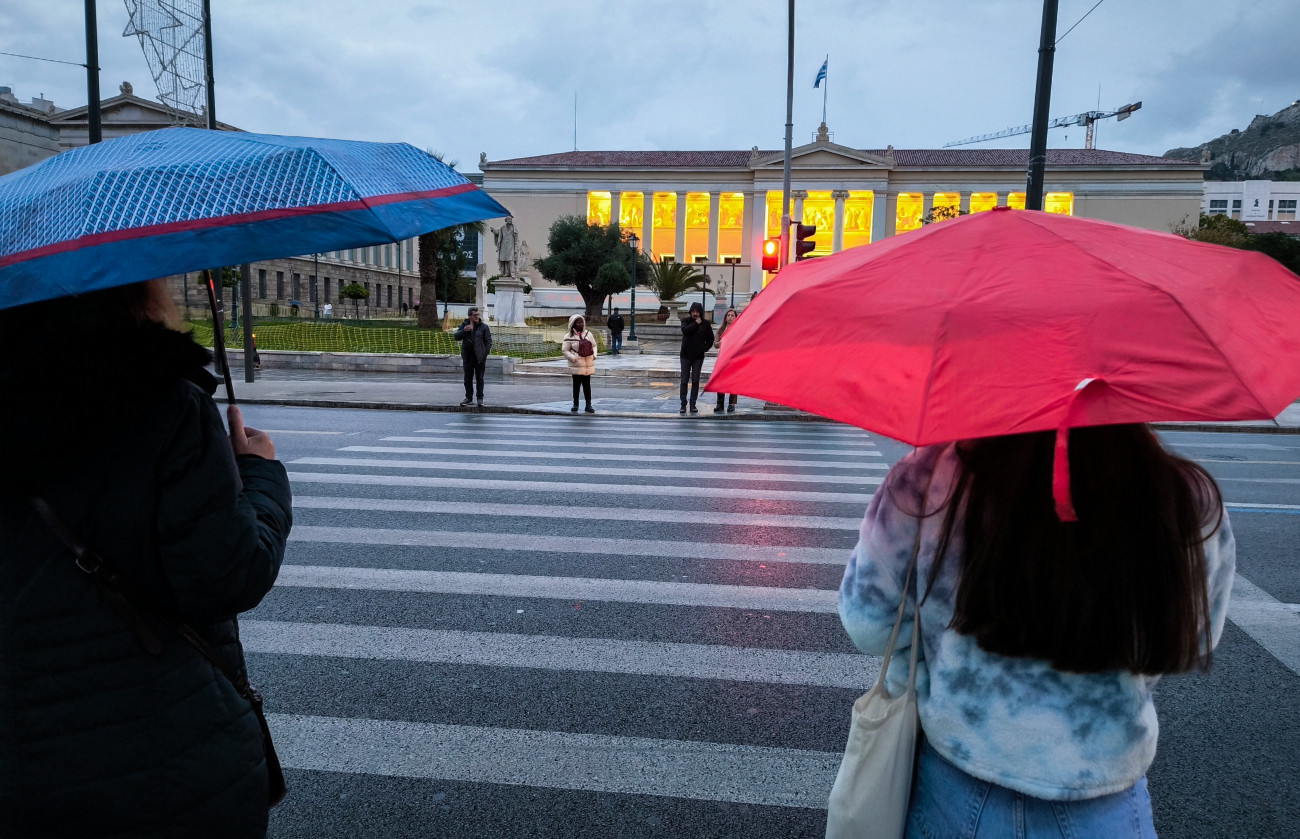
902 603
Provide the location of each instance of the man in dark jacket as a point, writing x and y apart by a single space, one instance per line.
615 325
697 339
99 736
475 344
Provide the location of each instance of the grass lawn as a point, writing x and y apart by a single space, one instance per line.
374 337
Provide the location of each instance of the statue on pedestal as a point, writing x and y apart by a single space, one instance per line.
506 239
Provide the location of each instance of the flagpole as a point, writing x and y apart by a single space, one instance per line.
827 81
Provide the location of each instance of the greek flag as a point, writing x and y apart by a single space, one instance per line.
821 74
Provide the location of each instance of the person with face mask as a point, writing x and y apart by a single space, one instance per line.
579 348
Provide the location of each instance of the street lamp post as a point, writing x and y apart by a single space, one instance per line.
315 291
633 241
733 285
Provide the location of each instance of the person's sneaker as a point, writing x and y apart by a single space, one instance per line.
480 403
731 409
590 410
467 401
683 410
718 409
574 409
694 410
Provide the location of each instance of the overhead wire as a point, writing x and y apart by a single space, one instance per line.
1079 21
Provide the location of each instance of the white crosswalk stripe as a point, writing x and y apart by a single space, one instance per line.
464 548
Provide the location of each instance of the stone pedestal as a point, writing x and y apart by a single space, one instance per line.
509 310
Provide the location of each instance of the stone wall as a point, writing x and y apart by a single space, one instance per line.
367 362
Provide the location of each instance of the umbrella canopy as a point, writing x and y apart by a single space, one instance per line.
1009 321
184 199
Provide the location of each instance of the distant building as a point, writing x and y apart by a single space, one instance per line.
1252 201
718 206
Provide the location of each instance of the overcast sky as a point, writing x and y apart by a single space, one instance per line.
500 76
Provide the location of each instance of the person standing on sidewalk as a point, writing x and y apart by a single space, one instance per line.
727 320
579 348
697 338
615 324
475 344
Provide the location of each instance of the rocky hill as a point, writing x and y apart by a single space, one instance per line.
1269 149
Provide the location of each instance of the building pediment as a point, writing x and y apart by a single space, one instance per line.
822 155
129 108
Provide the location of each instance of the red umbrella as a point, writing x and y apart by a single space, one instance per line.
1008 322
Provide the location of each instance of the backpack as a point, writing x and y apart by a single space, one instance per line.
586 349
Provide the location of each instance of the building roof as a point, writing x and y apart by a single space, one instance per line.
930 158
1291 227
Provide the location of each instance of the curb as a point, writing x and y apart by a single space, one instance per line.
510 409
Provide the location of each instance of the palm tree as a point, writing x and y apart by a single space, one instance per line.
670 280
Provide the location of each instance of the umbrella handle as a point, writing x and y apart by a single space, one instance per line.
219 337
1061 494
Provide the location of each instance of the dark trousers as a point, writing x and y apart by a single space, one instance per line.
583 383
722 397
473 372
691 372
616 341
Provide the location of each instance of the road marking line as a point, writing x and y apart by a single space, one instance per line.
753 598
551 442
468 471
1260 480
568 488
617 456
555 760
560 511
290 431
771 428
551 652
680 441
1274 625
529 543
1215 461
1239 505
1179 444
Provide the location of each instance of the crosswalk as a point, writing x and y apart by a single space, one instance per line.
581 621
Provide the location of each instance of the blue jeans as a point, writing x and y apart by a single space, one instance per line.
616 341
949 804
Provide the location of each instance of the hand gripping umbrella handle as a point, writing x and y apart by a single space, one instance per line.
219 337
1061 458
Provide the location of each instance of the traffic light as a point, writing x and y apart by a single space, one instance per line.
803 243
771 254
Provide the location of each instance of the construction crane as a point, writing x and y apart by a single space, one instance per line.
1087 118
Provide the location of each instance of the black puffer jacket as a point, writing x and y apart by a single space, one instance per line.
97 737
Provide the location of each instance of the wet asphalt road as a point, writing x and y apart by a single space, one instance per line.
454 651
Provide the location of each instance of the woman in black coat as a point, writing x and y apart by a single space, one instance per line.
111 421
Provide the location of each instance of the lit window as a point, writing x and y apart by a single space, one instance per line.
663 232
1016 200
697 227
1059 202
629 211
1236 208
819 211
774 213
945 205
1286 209
981 201
731 220
1219 208
598 204
857 218
910 206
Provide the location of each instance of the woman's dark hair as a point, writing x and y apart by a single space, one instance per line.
1123 588
85 319
722 327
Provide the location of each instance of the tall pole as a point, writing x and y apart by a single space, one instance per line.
826 82
246 282
92 73
733 286
207 64
1042 102
633 241
789 135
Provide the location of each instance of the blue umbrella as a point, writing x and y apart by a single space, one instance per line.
185 199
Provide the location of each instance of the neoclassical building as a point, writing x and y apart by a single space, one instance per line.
718 206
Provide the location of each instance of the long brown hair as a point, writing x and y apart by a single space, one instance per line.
1123 588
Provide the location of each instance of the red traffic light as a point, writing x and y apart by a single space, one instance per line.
771 254
803 243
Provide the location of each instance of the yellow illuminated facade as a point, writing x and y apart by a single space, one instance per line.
774 214
629 211
910 207
1059 202
981 201
598 208
819 211
731 223
945 205
697 227
1016 200
857 218
663 232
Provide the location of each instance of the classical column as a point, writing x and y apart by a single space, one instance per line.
798 195
680 246
615 207
927 204
879 214
837 238
964 203
647 220
715 202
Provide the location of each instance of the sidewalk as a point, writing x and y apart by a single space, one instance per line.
637 390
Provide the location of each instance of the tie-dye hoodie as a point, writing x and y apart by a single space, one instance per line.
1014 721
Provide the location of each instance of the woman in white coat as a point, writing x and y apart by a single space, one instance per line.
579 347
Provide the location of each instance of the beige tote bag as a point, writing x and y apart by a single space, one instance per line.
871 792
